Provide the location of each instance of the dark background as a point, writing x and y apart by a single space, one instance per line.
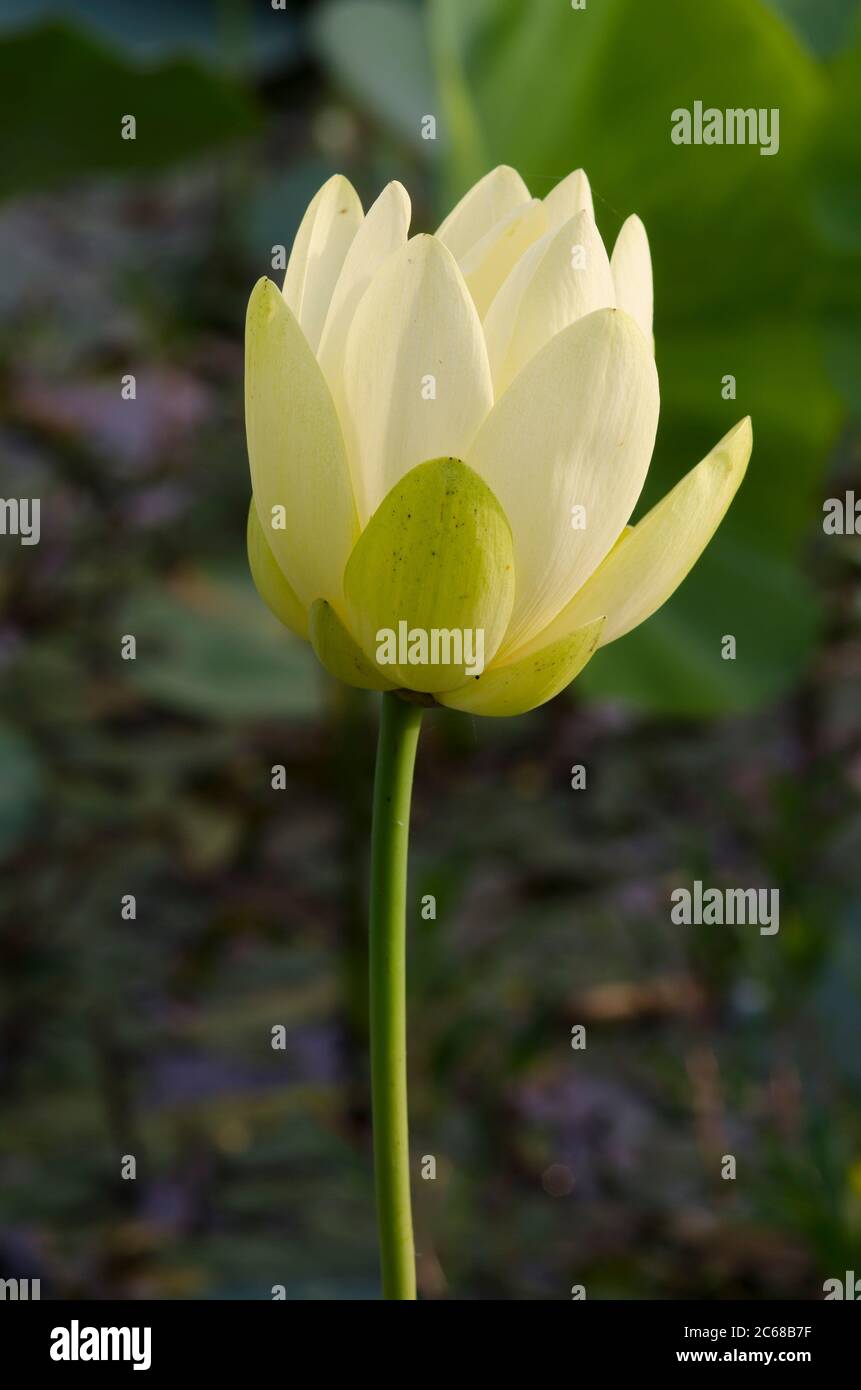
152 1037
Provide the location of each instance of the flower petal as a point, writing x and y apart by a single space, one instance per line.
383 230
498 193
325 233
270 582
491 259
435 556
501 317
296 452
569 278
416 379
631 264
574 430
530 681
336 650
570 196
652 558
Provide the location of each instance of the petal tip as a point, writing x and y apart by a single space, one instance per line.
263 287
423 245
624 327
397 190
340 182
740 437
264 299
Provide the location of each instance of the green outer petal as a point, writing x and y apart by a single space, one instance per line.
436 554
533 680
336 650
270 582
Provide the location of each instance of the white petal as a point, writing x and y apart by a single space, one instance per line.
652 558
296 452
498 193
416 377
331 221
570 277
570 196
631 265
383 230
501 317
575 429
493 257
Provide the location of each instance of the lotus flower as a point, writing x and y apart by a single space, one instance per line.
449 433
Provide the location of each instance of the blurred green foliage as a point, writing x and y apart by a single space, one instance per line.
256 36
69 94
378 52
212 651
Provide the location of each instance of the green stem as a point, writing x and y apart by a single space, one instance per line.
396 755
